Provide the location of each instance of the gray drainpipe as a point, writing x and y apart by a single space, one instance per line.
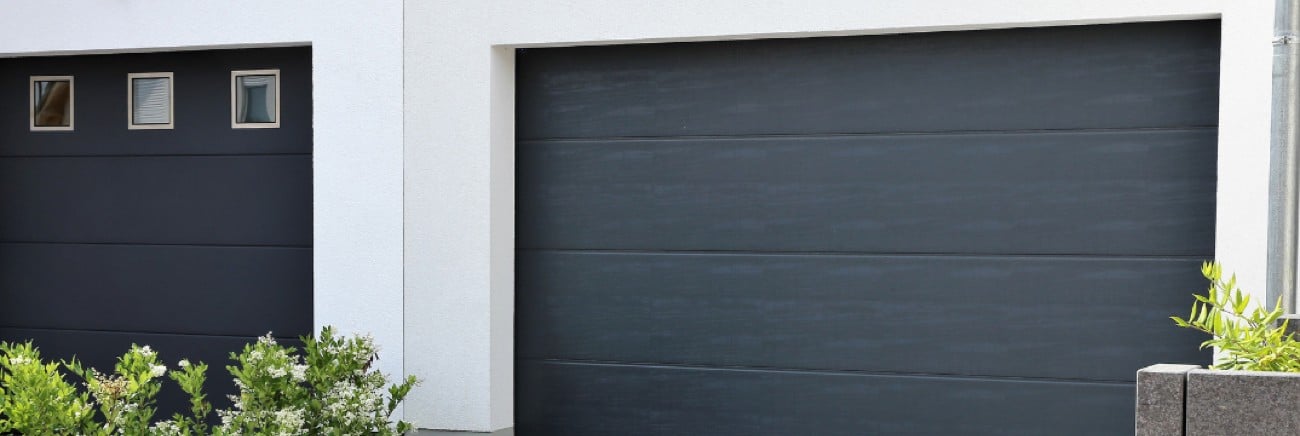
1282 190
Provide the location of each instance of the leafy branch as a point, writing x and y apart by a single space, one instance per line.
1247 336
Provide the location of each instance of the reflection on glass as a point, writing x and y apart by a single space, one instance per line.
255 99
52 100
151 101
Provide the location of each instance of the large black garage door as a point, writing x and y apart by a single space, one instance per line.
950 233
192 240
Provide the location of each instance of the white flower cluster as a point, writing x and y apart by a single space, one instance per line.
167 428
228 417
289 419
363 347
296 372
350 405
288 422
279 363
277 371
299 373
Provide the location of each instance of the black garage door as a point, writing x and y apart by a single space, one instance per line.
192 240
949 233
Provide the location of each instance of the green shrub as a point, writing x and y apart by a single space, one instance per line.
1246 336
34 397
330 388
190 377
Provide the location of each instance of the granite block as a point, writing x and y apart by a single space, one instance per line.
1160 393
1242 403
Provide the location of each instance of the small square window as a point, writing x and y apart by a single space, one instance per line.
149 101
51 103
255 99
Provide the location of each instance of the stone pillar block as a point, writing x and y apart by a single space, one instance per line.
1160 393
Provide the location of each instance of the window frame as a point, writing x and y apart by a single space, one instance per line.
31 103
234 100
171 100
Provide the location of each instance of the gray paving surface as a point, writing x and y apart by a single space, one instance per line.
506 432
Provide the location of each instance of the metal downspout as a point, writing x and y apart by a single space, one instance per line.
1282 191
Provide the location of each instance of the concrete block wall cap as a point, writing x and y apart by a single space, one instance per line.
1169 368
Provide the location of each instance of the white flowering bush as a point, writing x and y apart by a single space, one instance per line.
348 395
271 391
126 397
329 388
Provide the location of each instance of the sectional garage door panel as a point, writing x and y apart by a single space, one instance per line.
1004 316
593 399
224 200
194 240
202 104
1025 193
156 288
1141 76
974 232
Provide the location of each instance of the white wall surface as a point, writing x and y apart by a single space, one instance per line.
357 98
460 138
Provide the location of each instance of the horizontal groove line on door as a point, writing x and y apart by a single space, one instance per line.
1080 256
525 140
807 371
169 155
154 244
151 333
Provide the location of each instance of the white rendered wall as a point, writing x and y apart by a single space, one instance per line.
357 100
460 138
